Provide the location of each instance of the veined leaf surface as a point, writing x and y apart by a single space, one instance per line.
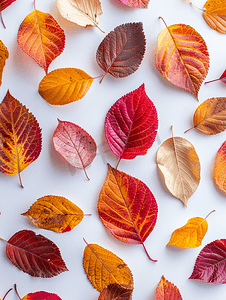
127 207
103 267
215 15
136 3
4 54
54 213
182 57
41 38
41 295
115 291
219 174
167 291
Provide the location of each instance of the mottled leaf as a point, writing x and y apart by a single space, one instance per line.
210 265
4 54
219 174
136 3
127 207
41 295
115 292
103 267
167 291
215 14
54 213
63 86
20 137
35 254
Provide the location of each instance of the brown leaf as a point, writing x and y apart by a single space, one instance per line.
115 292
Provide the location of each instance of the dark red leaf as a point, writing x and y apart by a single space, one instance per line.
35 254
5 3
41 295
115 292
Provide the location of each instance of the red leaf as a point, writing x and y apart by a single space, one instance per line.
5 3
131 124
35 254
122 50
210 265
136 3
41 296
167 291
115 292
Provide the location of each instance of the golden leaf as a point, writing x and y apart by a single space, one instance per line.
219 174
215 14
103 267
4 54
55 213
63 86
179 165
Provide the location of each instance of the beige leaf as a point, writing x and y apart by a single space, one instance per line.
179 164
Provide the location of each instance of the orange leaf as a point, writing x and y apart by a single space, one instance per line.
20 137
55 213
4 54
41 38
215 15
182 57
219 174
167 290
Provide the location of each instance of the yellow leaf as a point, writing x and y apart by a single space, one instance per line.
63 86
4 54
54 213
103 267
215 14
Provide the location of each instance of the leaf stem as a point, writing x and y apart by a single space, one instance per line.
103 77
16 291
2 20
86 173
210 214
196 7
188 129
3 240
212 80
20 180
87 215
163 21
7 294
148 253
118 163
98 76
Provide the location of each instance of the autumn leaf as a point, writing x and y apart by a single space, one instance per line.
179 166
219 174
131 124
35 254
210 265
4 54
115 291
41 38
20 137
82 12
55 213
122 50
215 15
3 5
63 86
182 57
167 291
74 144
103 267
41 295
136 3
127 208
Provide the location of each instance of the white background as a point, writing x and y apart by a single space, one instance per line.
50 174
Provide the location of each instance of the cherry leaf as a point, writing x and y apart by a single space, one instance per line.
167 291
41 295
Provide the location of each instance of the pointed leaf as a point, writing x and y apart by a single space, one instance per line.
182 57
215 15
74 144
136 3
115 291
219 174
55 213
20 136
4 54
103 267
82 12
210 265
63 86
5 3
179 166
41 295
167 291
35 254
127 207
41 38
131 124
122 50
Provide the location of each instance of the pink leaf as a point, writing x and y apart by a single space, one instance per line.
136 3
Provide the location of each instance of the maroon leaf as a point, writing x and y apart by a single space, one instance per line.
41 295
35 254
131 124
122 50
115 292
210 265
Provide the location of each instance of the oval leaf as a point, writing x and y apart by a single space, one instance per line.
41 295
210 265
74 144
219 174
179 166
103 267
127 207
55 213
63 86
115 291
35 254
167 290
131 124
182 57
20 137
41 38
190 235
122 50
136 3
4 54
215 15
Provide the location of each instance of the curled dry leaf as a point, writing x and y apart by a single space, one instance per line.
20 137
182 57
41 295
103 267
74 144
131 124
63 86
167 290
4 54
115 291
136 3
210 265
41 38
215 14
3 5
122 50
35 254
55 213
127 207
219 174
179 166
